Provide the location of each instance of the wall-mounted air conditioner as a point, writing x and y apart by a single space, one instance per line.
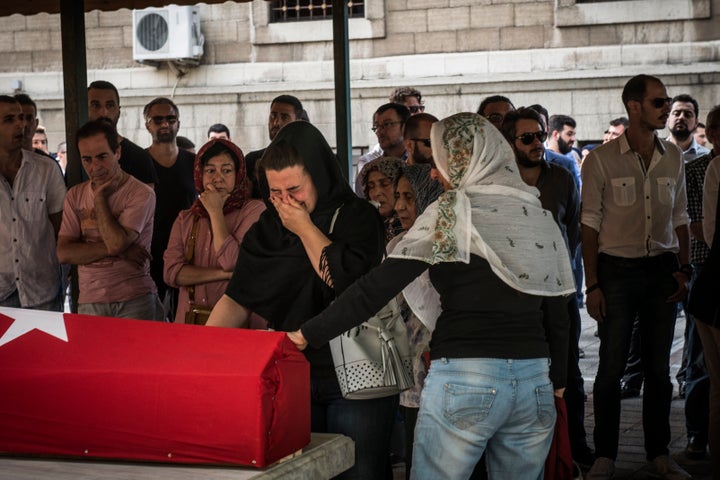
168 33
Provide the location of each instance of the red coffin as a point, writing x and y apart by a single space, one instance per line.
103 387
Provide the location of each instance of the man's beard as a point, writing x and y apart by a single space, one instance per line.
419 159
168 137
524 161
680 134
563 146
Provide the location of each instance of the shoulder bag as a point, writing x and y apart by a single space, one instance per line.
373 359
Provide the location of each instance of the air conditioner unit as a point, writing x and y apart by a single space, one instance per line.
168 33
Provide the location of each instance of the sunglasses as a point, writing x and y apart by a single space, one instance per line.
529 138
416 108
660 102
159 120
424 141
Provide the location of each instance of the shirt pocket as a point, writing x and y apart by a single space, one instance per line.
666 190
31 206
623 191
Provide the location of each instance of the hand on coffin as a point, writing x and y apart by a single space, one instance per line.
298 339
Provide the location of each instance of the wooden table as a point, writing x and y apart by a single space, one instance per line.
326 456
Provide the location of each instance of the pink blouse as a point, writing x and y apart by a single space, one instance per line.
238 222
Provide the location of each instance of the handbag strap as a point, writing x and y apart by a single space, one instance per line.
190 255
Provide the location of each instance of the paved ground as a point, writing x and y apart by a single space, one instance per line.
631 463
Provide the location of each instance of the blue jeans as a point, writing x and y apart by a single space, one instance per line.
635 288
368 422
470 405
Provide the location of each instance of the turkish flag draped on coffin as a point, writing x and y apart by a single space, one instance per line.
101 387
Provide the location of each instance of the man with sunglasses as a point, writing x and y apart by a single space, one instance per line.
104 102
524 129
417 138
175 190
494 108
635 242
410 97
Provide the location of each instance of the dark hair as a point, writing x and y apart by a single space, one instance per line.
399 108
636 87
184 142
292 101
101 126
616 122
701 125
218 128
159 101
509 125
685 98
492 99
105 85
24 99
401 93
713 118
218 148
556 123
304 116
8 99
279 156
412 125
542 111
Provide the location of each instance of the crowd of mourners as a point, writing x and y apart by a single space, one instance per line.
491 229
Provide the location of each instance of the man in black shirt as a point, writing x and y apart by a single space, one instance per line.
524 130
175 190
104 102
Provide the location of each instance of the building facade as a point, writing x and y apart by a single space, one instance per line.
572 56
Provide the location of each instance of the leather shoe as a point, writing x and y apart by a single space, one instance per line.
626 391
695 449
682 389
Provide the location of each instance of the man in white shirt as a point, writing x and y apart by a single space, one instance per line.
32 190
635 240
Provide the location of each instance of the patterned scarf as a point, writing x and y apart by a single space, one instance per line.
489 212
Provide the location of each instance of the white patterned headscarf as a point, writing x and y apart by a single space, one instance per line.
489 212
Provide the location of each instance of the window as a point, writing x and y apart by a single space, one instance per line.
300 10
285 21
572 13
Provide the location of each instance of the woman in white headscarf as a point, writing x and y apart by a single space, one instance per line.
499 348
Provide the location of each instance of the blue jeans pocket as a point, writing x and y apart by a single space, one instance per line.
545 404
465 407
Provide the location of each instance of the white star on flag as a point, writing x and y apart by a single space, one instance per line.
25 321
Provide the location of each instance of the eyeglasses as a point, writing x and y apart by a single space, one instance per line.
385 125
424 141
416 108
660 102
528 138
159 120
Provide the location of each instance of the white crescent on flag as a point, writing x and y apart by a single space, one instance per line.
25 321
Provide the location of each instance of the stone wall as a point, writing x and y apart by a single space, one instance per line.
567 56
